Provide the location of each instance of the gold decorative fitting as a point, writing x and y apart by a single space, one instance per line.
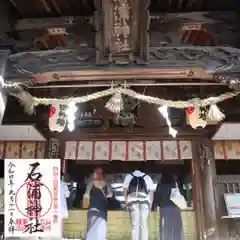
56 31
56 76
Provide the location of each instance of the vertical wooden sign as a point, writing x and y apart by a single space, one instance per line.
122 31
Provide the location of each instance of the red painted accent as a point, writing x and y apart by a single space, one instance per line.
190 110
52 111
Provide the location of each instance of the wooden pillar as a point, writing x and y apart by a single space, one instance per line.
208 168
197 191
204 163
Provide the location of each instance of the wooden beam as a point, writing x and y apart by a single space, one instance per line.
195 17
44 23
122 74
215 64
187 21
161 133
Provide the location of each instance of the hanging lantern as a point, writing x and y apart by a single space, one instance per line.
195 118
57 118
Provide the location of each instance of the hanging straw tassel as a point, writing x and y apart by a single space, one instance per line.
115 103
215 114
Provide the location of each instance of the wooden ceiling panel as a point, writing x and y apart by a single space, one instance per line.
192 5
52 8
43 8
31 8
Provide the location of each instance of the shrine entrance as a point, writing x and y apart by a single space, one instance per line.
115 82
117 158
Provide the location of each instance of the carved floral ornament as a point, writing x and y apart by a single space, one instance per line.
221 62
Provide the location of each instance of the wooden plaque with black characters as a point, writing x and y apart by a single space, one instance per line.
122 31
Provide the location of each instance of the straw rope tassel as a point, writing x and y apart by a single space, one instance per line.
115 103
215 113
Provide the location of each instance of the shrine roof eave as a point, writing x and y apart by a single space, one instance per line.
214 64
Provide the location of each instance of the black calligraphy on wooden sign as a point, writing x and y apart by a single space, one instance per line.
121 26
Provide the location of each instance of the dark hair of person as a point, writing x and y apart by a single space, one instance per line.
140 166
167 178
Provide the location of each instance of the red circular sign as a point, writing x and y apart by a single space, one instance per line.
19 194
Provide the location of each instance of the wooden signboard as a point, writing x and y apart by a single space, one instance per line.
122 150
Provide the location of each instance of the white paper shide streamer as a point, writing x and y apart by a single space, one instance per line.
70 112
164 111
115 103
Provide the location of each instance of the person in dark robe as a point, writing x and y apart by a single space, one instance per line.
171 227
96 199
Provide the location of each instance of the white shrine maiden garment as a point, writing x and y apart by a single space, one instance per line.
64 194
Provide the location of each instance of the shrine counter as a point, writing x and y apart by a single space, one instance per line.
119 225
